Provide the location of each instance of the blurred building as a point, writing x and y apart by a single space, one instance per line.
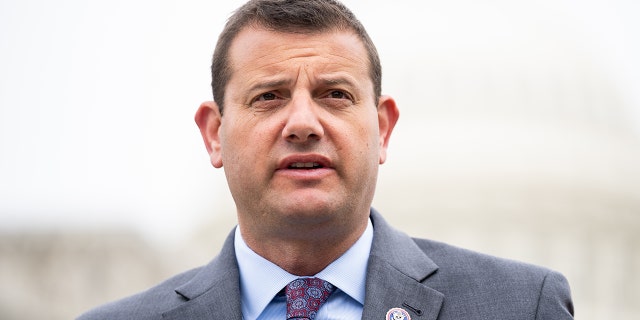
534 157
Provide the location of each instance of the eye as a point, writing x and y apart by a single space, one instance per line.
266 96
337 99
268 100
337 94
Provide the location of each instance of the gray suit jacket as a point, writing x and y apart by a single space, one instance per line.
430 280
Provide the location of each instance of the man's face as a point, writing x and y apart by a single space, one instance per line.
301 137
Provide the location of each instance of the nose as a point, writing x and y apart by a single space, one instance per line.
303 122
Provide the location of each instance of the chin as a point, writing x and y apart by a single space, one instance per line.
309 208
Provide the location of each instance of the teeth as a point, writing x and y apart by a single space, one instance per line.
305 165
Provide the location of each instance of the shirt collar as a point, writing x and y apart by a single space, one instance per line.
261 279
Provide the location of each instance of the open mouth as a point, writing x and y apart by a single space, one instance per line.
302 163
305 165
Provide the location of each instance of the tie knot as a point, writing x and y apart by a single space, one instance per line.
305 296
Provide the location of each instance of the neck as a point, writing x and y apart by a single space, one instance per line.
308 251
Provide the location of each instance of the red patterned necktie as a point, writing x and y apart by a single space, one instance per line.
305 296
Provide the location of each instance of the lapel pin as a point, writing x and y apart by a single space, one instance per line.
397 314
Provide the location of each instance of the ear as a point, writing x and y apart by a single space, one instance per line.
388 115
209 120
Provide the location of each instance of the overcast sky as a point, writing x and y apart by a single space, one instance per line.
97 97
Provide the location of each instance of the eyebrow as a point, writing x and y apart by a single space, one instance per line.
270 84
332 81
327 81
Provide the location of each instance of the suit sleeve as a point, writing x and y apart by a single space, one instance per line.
554 302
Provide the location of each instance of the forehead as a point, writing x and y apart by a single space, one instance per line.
256 48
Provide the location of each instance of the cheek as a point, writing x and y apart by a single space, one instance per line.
246 145
232 147
361 144
370 135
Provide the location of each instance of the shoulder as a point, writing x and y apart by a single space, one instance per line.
149 304
463 261
471 278
220 275
477 268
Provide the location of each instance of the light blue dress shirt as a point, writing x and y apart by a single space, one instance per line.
261 280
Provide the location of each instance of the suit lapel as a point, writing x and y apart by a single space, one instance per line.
214 293
397 267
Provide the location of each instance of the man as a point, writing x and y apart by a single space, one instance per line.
300 126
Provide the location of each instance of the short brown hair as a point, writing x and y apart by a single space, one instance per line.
289 16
